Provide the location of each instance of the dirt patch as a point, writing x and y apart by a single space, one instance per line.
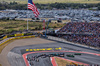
61 62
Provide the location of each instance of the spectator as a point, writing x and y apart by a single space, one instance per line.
82 32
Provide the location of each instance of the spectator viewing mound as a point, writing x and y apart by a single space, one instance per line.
81 32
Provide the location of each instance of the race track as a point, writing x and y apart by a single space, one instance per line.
84 58
89 58
12 54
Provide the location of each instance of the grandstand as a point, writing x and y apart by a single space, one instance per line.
81 32
81 27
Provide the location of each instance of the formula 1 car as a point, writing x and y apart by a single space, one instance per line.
55 54
70 55
51 55
61 54
28 58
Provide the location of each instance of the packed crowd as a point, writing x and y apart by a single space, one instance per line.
92 39
81 27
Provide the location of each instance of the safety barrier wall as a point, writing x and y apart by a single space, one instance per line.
26 34
1 39
10 36
18 35
24 37
4 37
5 42
22 34
13 38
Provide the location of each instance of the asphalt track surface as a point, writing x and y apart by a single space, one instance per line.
84 58
14 56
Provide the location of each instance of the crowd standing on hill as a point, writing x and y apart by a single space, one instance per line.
92 39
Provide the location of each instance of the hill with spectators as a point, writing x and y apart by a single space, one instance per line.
81 32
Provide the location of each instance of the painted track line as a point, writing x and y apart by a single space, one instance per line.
53 61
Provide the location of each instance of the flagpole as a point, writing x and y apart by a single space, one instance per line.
27 15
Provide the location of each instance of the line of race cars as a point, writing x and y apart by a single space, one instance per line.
35 58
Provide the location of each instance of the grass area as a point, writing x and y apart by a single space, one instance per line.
53 1
11 25
4 45
61 62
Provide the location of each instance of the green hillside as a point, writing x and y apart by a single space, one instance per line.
53 1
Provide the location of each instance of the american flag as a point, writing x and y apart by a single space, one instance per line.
32 7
